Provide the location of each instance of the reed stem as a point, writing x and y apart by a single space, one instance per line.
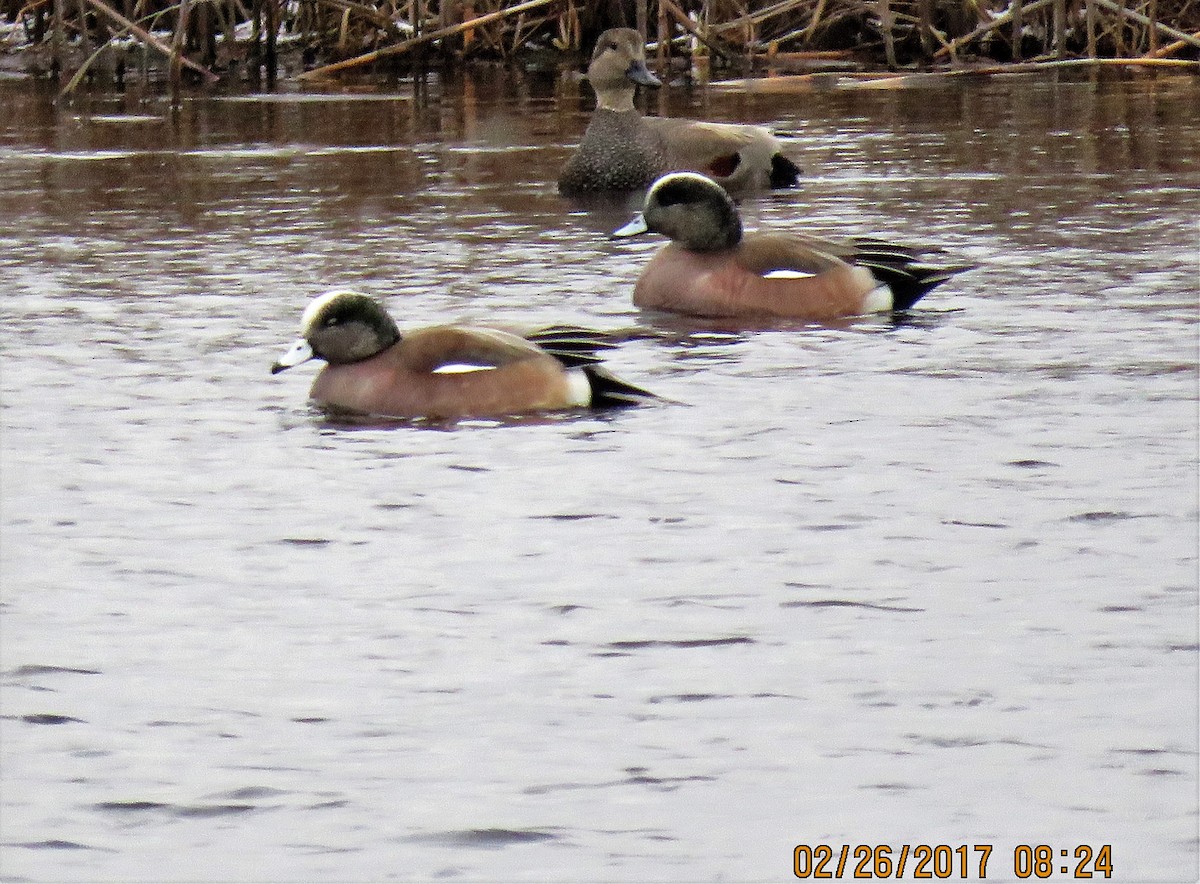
728 34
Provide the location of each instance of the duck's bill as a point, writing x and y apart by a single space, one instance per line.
634 227
640 74
297 353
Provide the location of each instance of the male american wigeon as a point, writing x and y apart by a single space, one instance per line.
447 371
623 150
710 268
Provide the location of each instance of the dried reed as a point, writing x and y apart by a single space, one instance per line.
207 40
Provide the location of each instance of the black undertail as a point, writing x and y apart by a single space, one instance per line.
784 173
900 269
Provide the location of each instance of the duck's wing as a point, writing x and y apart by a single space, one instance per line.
717 149
901 268
572 344
447 346
764 253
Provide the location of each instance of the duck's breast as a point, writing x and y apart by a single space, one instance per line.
618 152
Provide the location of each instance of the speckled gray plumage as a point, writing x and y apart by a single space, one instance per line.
618 152
622 150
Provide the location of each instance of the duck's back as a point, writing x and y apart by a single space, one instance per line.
618 152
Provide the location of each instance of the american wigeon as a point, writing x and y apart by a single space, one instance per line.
710 268
623 150
447 371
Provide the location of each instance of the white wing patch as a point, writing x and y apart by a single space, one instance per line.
786 274
460 368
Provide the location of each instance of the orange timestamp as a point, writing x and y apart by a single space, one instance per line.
942 861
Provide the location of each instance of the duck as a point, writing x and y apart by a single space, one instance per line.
447 371
622 150
711 268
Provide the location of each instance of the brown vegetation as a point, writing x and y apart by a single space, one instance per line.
211 39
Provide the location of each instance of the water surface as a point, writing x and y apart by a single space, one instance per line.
930 581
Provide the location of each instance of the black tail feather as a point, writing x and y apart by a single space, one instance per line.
609 391
908 280
577 347
784 173
902 270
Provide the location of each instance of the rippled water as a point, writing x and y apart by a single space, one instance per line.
927 582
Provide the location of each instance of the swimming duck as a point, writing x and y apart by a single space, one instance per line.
623 150
710 268
447 371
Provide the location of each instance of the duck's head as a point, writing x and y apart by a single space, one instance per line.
341 326
618 66
692 210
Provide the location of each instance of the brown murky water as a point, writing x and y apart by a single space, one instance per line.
928 582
